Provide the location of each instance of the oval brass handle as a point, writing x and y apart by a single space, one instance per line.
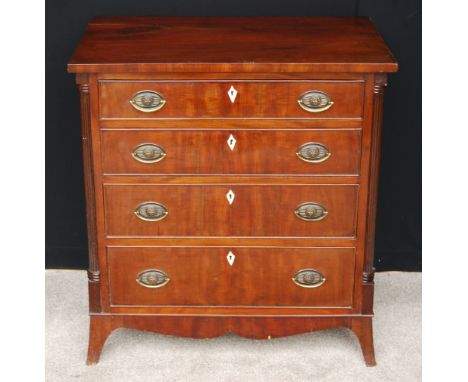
152 278
147 101
315 101
313 152
310 211
148 153
151 211
308 278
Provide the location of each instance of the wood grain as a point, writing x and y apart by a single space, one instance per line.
197 152
193 62
257 211
231 44
101 326
94 275
380 83
258 276
209 99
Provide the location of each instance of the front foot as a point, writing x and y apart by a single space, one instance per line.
100 327
362 328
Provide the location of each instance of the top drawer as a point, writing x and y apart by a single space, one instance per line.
230 99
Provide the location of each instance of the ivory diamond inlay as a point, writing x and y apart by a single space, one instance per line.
232 93
230 258
231 142
230 196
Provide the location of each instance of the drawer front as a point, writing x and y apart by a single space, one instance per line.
231 152
252 277
215 99
231 210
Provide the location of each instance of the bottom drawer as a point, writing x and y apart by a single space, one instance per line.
230 277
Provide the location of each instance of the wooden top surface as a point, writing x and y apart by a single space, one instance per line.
231 44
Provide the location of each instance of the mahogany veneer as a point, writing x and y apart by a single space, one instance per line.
271 152
231 172
207 99
203 210
202 277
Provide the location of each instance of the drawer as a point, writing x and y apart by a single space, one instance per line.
215 99
314 152
225 210
203 276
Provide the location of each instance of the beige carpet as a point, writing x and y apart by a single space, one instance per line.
332 355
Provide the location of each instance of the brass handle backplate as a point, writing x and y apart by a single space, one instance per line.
313 152
315 101
147 101
310 211
308 278
148 153
152 278
151 211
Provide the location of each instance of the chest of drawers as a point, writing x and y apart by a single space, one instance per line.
231 170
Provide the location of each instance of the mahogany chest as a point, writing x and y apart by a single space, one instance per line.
231 170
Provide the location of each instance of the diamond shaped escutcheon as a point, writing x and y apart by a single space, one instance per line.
230 196
231 142
232 93
230 258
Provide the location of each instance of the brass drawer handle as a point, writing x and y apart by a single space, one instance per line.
308 278
315 101
152 278
313 152
148 153
147 101
151 211
310 211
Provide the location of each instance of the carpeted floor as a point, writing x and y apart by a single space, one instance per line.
331 355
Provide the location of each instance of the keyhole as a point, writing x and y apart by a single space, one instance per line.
231 142
232 93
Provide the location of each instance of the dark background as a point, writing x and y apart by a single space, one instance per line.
398 242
